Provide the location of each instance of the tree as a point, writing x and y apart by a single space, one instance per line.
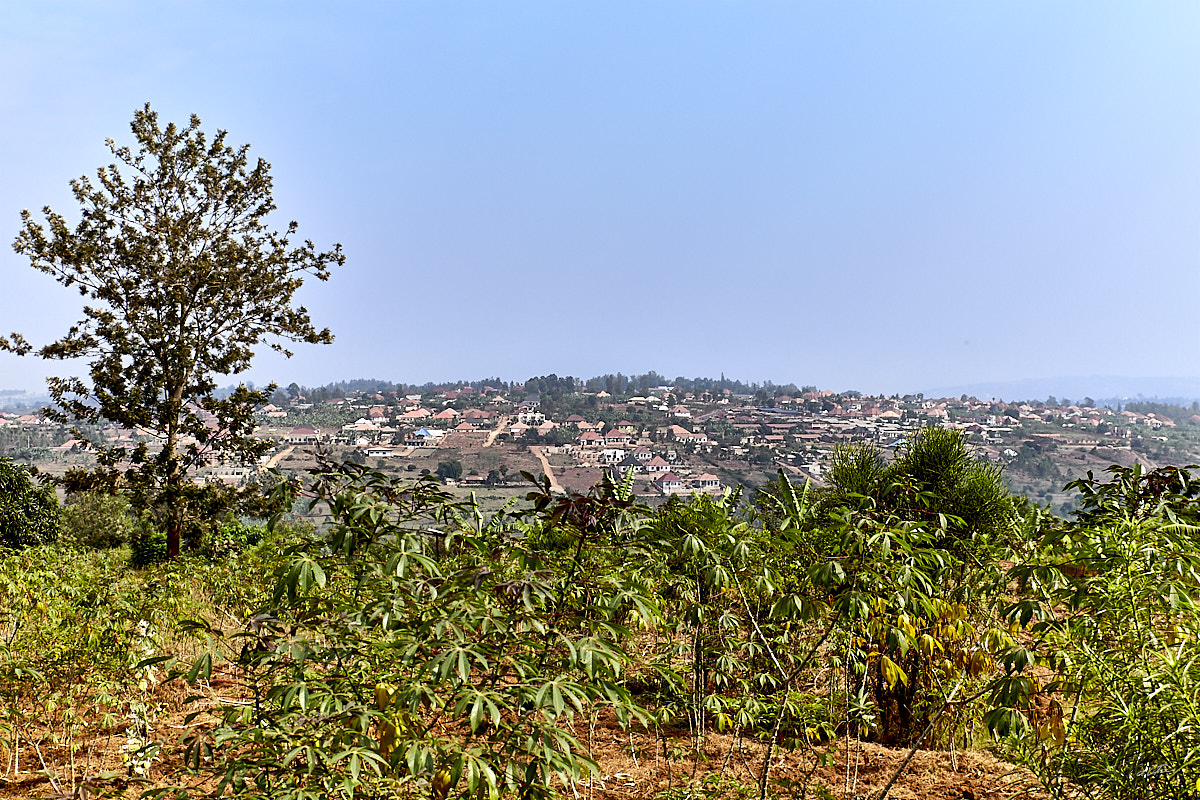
450 469
29 514
184 280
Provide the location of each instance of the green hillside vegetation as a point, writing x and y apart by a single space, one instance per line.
413 646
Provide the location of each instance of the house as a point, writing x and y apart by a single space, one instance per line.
231 474
642 454
616 438
303 435
631 463
669 483
479 418
360 426
380 452
657 465
424 437
574 419
681 434
589 439
612 455
707 483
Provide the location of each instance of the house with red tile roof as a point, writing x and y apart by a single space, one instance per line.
589 439
303 434
669 483
658 464
615 438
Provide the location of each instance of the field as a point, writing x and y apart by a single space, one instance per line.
398 635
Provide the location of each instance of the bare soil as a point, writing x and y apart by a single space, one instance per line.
637 765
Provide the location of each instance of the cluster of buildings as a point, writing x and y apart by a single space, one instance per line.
672 439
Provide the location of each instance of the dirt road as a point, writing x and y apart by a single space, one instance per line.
499 430
541 456
280 456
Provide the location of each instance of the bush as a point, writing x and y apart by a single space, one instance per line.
231 538
148 544
29 514
97 520
1115 614
450 469
354 655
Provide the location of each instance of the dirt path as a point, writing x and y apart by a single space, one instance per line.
280 456
541 456
499 430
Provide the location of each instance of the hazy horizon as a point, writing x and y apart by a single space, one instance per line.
1106 388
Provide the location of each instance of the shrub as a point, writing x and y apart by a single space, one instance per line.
148 543
29 514
379 670
97 520
1114 607
231 538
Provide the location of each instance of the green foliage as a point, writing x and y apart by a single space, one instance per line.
29 513
416 646
231 538
184 281
858 469
82 641
450 469
147 543
97 520
380 669
1111 600
907 582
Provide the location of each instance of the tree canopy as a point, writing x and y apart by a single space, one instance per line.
29 513
183 281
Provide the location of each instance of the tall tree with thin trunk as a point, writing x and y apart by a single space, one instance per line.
183 280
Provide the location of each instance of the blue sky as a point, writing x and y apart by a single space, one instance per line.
885 196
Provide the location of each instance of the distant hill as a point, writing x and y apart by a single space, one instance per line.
1102 388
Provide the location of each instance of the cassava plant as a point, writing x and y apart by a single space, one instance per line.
388 665
1113 603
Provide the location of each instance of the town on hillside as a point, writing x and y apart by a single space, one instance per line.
674 439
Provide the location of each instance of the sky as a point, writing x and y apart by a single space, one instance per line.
882 196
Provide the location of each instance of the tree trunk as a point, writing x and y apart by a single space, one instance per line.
174 479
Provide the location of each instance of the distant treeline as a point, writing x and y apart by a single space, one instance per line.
624 384
551 385
555 386
1173 412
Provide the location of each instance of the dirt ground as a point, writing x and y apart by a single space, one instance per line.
641 771
633 766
